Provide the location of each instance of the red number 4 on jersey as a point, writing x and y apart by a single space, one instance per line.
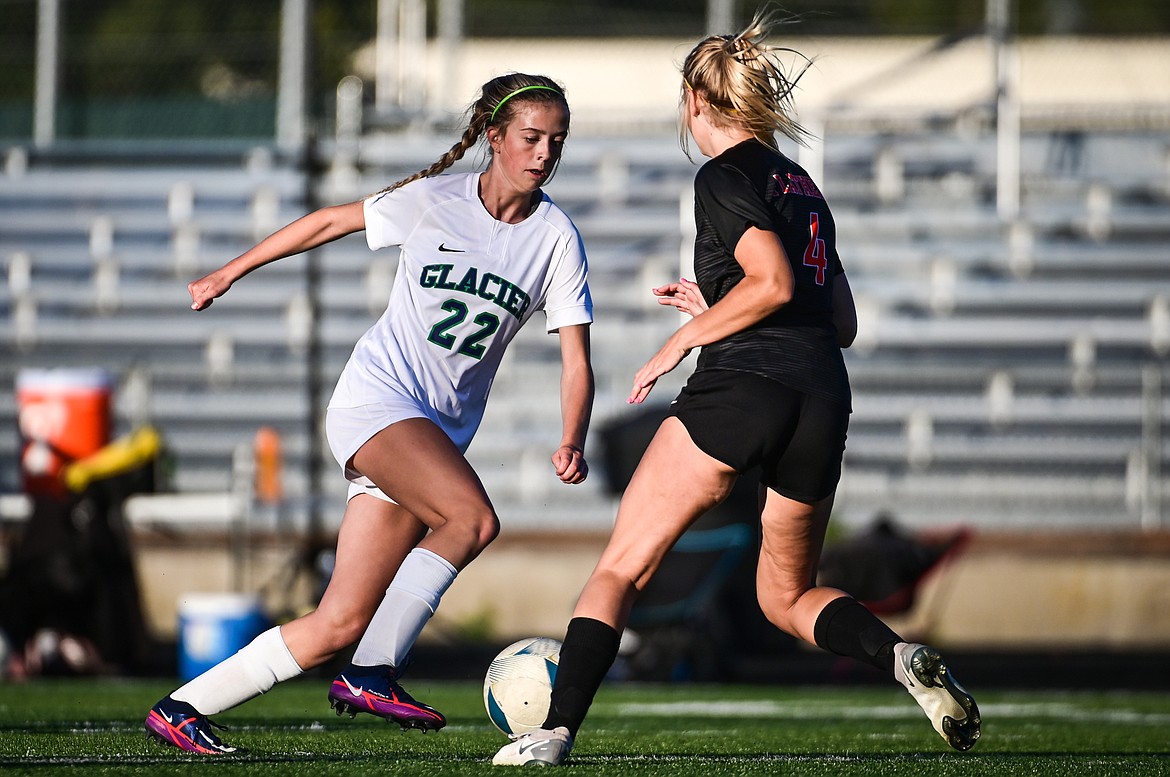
814 254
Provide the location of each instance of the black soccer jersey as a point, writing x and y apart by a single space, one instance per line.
751 185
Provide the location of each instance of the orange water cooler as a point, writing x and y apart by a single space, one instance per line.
64 415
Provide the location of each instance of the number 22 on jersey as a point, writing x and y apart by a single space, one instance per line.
470 346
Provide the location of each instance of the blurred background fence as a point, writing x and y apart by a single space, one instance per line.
1000 174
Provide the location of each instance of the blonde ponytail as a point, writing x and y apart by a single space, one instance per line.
745 82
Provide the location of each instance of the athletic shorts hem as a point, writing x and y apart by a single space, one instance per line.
349 428
802 498
745 420
364 485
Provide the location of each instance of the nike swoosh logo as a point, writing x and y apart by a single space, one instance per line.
355 691
166 717
524 749
443 247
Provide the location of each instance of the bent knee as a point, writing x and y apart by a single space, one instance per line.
489 529
477 527
779 609
482 526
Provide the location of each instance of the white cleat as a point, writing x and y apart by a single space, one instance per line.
951 709
538 748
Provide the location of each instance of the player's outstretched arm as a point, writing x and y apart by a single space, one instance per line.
576 404
317 228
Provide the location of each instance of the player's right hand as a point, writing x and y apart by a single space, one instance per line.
205 290
668 357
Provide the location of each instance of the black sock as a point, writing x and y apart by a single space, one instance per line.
847 628
588 652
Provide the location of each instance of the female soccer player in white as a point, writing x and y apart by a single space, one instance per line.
481 253
772 310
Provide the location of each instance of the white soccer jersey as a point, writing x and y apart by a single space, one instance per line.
465 284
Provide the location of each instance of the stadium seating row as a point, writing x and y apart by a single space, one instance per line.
1005 373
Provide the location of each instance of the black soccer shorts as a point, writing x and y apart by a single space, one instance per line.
743 419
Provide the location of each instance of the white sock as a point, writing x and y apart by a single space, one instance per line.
410 601
253 670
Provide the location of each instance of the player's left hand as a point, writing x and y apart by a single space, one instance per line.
683 295
569 462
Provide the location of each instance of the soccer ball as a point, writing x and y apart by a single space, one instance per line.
519 683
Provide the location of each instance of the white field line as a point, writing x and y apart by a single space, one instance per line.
123 728
783 711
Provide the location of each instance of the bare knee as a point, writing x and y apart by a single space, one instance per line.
464 534
480 526
779 608
488 530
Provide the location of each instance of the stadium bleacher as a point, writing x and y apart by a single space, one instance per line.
1006 373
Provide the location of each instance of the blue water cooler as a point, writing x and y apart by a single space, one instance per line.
213 627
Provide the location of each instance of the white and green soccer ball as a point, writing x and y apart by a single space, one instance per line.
519 683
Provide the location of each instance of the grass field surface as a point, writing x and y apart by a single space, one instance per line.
89 727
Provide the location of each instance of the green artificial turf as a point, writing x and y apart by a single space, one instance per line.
95 727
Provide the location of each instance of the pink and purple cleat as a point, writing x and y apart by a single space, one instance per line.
178 724
375 690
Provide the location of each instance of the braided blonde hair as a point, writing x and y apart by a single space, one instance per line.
745 83
495 107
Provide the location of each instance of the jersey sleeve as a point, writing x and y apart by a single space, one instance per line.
731 202
568 301
391 216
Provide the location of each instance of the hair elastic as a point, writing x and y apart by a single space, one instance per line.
512 94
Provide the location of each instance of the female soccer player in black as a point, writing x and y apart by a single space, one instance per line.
771 312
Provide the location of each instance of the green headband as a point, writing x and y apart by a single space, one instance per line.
510 95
